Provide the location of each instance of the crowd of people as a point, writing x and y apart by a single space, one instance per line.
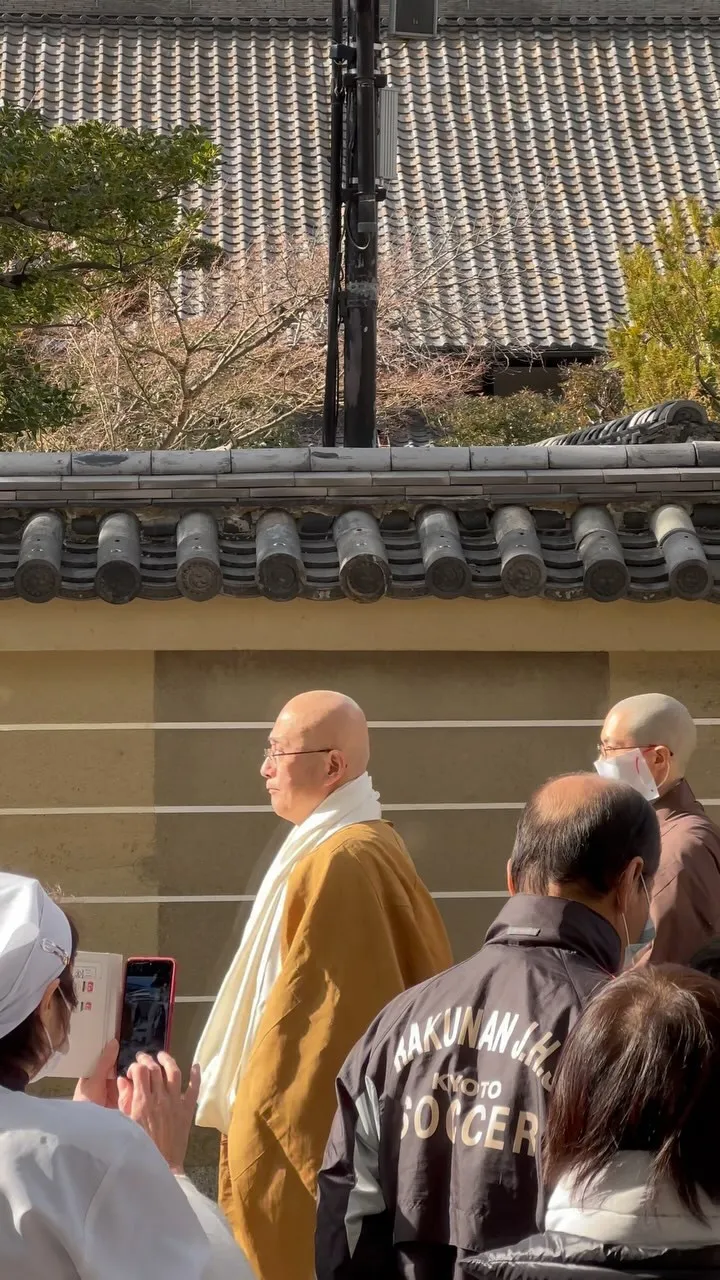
545 1109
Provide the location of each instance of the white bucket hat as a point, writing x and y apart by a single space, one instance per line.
35 946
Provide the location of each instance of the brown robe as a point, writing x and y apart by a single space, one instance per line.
686 891
359 927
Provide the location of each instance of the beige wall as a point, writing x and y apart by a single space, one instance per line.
216 665
428 625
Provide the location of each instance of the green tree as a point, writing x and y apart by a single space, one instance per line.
591 393
588 393
31 398
669 346
521 418
85 209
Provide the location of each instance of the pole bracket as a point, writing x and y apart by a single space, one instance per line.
359 292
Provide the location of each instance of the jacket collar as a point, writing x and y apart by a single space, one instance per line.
530 921
681 799
621 1207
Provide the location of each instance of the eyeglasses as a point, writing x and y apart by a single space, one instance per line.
604 750
271 754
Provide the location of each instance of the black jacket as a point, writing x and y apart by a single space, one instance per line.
434 1151
562 1257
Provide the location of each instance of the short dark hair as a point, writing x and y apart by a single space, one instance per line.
707 959
590 846
25 1047
639 1072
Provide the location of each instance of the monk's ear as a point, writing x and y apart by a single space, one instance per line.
510 882
335 765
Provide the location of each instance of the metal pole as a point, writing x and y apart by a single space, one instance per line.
361 231
337 115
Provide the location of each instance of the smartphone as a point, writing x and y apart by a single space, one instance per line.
147 1008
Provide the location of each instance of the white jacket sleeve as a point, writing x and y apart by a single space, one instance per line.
227 1262
140 1224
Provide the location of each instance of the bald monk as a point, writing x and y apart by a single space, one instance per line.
648 741
341 924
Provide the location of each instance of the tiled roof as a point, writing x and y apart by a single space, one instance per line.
281 13
540 151
640 522
673 422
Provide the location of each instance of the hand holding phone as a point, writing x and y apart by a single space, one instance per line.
152 1095
147 1011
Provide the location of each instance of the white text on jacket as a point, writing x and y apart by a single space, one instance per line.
465 1026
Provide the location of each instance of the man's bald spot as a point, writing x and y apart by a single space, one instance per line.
653 719
322 719
565 797
582 830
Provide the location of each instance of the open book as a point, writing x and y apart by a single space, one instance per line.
99 987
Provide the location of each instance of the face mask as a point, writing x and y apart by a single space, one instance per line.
629 767
55 1054
646 937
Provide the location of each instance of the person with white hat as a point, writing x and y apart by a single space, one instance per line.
85 1194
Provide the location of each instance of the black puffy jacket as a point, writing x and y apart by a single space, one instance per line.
554 1256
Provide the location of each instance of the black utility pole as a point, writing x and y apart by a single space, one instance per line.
352 297
338 55
361 223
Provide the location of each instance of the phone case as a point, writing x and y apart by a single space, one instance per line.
154 960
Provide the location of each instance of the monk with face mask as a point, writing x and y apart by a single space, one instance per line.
648 741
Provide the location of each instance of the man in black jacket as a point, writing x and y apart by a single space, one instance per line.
435 1147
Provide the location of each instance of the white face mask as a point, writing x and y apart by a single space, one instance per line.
646 937
55 1054
629 767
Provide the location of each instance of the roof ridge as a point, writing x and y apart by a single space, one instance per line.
469 24
238 466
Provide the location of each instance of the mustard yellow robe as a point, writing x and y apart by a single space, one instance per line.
359 927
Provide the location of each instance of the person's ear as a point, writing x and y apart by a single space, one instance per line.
510 882
46 1003
629 883
664 764
336 765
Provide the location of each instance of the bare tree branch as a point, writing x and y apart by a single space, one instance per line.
237 354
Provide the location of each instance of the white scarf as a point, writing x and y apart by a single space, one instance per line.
229 1035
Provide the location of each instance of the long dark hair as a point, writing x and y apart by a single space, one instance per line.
24 1049
640 1072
